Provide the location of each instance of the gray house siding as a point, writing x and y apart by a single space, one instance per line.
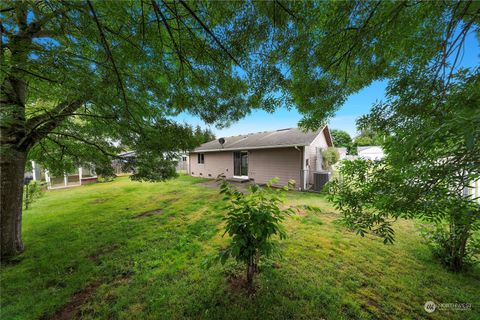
215 163
263 165
266 164
313 155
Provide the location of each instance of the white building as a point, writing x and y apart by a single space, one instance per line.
182 164
81 175
118 164
370 153
342 152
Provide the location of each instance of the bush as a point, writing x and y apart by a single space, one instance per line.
253 220
32 190
355 194
330 156
106 178
105 172
371 195
452 245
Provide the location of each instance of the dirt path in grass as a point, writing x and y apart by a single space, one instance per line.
148 213
72 307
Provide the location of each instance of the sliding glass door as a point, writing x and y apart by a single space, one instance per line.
240 164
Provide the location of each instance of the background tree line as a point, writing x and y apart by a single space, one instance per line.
366 137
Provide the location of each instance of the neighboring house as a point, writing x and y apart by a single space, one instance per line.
342 152
81 176
289 154
118 163
182 164
370 153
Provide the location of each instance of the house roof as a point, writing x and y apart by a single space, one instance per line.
127 154
367 147
289 137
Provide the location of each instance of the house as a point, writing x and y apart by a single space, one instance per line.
370 153
119 162
182 164
81 176
289 154
123 158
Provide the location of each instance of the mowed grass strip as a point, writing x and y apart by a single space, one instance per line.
131 250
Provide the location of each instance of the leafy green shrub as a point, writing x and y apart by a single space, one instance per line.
450 245
371 195
355 195
105 172
330 156
253 220
31 192
102 178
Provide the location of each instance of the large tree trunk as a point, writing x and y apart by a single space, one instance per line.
17 134
13 157
12 168
15 140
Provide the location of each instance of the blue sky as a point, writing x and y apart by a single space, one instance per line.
356 105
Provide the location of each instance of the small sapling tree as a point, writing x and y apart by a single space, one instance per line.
33 191
330 156
254 223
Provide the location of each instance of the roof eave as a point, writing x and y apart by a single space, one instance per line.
328 136
249 148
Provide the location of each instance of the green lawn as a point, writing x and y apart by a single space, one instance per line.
94 252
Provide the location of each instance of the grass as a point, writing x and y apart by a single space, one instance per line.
149 266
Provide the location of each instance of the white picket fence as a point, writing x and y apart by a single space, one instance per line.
474 191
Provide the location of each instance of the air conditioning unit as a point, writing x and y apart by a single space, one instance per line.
319 180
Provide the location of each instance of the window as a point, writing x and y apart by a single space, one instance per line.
201 158
184 158
306 162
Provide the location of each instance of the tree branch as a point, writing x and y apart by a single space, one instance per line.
194 37
37 126
209 31
286 10
157 10
36 75
109 54
7 9
100 148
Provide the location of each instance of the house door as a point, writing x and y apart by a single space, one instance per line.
240 164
